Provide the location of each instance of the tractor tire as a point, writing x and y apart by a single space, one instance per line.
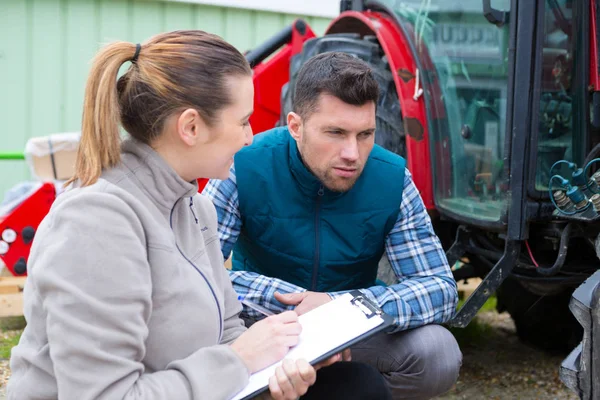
390 130
542 321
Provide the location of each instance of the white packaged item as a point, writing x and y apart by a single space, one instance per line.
52 158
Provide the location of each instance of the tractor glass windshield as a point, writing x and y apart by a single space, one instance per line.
556 139
464 58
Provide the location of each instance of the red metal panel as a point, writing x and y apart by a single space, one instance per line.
269 77
28 214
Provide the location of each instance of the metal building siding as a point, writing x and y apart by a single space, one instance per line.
46 47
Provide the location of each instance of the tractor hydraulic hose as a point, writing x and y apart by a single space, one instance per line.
593 154
493 254
585 174
563 280
523 277
562 253
569 164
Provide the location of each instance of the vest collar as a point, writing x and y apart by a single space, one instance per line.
160 181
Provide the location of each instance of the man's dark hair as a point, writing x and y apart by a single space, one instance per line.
338 74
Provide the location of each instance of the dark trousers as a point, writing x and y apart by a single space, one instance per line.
348 381
345 381
418 364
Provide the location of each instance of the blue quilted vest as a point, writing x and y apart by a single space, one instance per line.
296 230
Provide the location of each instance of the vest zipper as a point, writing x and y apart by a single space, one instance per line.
320 194
197 269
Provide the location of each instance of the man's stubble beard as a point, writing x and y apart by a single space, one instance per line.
326 177
330 181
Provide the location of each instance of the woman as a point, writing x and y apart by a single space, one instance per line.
127 297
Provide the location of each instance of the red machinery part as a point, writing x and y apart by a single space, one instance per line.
18 228
269 77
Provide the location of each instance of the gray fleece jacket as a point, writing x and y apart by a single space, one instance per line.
127 296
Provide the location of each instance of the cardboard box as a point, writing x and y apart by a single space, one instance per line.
52 158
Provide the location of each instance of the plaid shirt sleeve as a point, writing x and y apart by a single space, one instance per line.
426 291
257 288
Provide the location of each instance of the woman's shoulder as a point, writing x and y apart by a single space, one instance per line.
102 190
96 202
85 222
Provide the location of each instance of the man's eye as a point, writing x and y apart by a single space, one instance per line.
246 123
334 132
366 134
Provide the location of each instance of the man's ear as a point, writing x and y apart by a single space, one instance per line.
191 128
294 122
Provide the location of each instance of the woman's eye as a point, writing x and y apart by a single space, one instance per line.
247 123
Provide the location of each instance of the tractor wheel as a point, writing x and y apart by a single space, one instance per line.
542 320
390 131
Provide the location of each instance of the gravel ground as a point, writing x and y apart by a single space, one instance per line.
4 368
499 366
4 375
496 365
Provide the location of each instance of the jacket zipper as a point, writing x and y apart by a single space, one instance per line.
320 194
196 268
192 209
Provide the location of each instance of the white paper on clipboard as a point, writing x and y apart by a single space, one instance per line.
323 329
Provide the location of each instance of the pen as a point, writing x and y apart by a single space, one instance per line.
255 307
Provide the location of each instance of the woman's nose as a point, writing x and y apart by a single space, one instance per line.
249 136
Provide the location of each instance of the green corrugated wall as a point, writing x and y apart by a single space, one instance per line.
46 47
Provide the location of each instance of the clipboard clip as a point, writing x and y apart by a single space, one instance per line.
366 306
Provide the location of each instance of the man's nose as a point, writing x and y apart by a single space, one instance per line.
350 150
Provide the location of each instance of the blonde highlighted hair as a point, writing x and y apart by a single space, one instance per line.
172 71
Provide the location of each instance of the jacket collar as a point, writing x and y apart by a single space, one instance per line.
158 179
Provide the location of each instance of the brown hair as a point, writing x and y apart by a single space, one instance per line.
172 71
338 74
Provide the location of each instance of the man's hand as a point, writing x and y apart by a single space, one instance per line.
304 301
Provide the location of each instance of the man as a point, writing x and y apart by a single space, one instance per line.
309 209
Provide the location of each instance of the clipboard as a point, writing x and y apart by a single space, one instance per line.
326 331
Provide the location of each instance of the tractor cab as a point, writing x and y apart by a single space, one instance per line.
467 77
464 75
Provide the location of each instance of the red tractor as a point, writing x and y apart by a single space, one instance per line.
497 112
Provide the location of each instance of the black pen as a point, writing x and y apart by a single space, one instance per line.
255 307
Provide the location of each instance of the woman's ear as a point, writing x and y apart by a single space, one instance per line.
294 122
191 128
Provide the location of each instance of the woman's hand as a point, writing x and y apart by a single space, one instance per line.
292 380
344 356
268 341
